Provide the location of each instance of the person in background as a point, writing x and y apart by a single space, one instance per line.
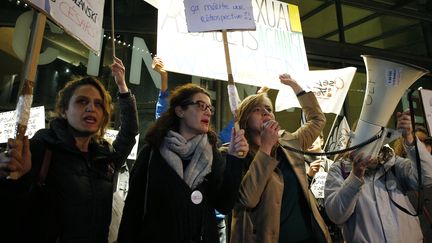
65 193
369 200
399 148
180 177
317 167
426 216
275 203
162 102
428 144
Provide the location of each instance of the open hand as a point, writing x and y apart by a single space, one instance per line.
118 71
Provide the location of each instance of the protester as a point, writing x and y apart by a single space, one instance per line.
317 167
224 136
162 102
180 177
370 199
426 213
275 203
428 143
65 193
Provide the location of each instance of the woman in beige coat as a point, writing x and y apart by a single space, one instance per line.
275 203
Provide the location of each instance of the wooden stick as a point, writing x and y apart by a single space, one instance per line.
227 57
25 99
230 76
112 29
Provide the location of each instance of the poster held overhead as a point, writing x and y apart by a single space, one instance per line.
259 56
213 15
207 15
81 19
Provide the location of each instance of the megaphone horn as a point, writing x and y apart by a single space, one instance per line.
387 81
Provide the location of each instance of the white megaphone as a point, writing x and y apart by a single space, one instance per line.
387 80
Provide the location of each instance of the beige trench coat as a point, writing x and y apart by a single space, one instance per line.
256 215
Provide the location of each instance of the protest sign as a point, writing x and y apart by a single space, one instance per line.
330 88
210 15
110 136
80 18
257 57
8 123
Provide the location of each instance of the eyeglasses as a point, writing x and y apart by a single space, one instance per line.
203 106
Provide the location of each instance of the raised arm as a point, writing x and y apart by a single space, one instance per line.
315 118
125 139
162 102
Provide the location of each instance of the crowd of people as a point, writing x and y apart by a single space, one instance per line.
185 182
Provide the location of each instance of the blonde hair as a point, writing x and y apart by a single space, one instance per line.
245 109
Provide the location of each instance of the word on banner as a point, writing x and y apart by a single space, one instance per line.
210 15
8 122
257 57
82 19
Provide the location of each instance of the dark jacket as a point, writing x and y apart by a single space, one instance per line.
158 207
74 204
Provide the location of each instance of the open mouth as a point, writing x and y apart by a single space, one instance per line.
90 120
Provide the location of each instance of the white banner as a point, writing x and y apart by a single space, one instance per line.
211 15
80 18
330 88
110 136
338 140
257 57
8 122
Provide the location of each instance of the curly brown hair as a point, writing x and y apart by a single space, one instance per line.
65 95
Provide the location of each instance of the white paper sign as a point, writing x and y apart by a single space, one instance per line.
80 18
8 123
330 88
338 140
317 186
257 57
110 136
210 15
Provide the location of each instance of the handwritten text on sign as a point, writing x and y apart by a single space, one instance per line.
210 15
257 57
317 187
110 136
8 123
80 18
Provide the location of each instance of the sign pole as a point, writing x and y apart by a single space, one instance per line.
232 93
112 29
28 78
227 57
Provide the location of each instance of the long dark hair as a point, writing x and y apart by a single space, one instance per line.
169 120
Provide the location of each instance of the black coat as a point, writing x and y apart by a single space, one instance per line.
75 203
170 215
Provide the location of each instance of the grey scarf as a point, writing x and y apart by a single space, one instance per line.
198 150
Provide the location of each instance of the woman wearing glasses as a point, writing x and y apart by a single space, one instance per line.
180 177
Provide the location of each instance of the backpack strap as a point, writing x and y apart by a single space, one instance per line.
44 167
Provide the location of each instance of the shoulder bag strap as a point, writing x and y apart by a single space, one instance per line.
44 168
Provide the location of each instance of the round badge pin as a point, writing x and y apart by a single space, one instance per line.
196 197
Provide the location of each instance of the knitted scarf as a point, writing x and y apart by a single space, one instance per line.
198 150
